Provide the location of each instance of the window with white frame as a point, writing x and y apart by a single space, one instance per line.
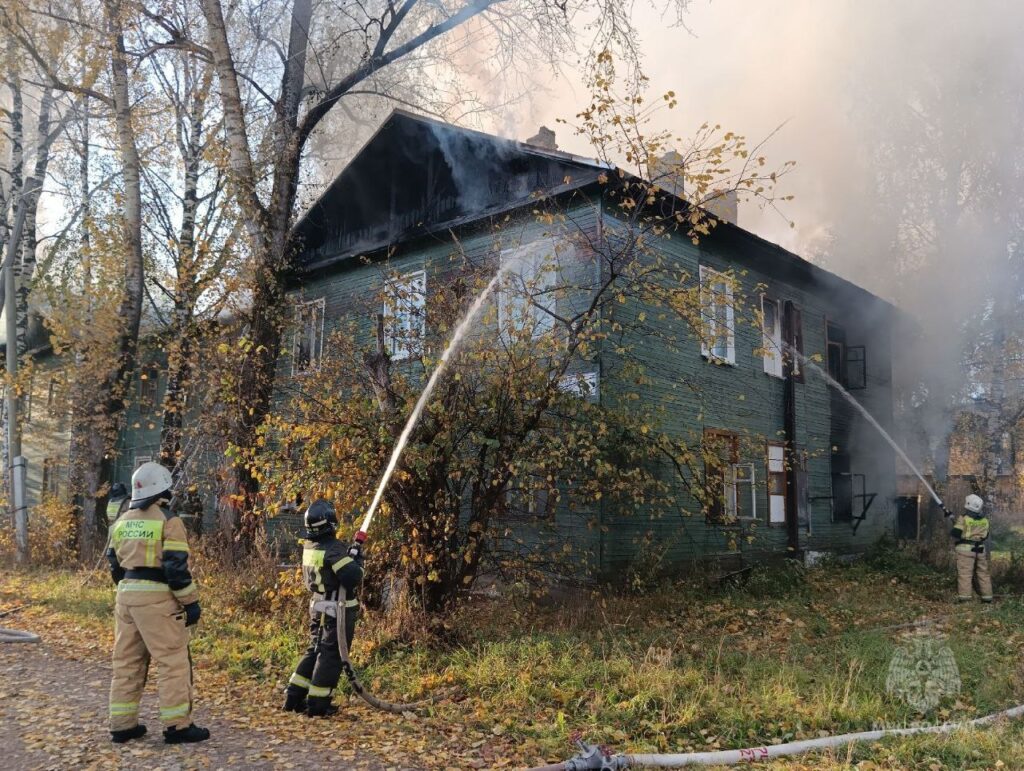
583 384
526 298
776 483
405 314
730 486
771 336
717 306
309 336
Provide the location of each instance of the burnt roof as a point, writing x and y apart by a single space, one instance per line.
417 175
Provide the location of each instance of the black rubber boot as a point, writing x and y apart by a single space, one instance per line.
294 702
188 735
127 734
319 706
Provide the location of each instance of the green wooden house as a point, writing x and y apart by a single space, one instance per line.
798 469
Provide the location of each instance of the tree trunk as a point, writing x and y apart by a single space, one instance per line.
111 387
24 270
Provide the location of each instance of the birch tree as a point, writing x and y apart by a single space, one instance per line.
271 108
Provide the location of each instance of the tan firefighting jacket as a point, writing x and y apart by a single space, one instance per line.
148 553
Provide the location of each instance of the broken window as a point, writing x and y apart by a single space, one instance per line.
771 336
842 488
856 368
405 314
526 298
309 336
776 483
717 307
836 341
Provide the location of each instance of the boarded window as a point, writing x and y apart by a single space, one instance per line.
776 483
717 307
405 315
308 344
771 336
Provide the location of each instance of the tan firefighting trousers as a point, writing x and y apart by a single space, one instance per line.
972 571
144 628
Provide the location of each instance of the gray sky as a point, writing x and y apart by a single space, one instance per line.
833 71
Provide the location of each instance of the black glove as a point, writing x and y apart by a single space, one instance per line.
947 512
355 551
192 613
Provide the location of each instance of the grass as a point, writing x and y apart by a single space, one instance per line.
783 657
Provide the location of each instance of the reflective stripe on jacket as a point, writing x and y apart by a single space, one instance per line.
326 566
153 545
970 532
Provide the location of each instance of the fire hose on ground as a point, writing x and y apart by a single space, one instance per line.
591 757
337 609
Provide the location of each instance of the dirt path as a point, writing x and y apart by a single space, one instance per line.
53 716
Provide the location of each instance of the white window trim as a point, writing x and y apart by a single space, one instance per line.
770 470
529 282
772 342
397 348
733 483
707 276
582 384
314 357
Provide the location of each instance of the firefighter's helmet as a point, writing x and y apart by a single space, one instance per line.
974 504
150 482
320 518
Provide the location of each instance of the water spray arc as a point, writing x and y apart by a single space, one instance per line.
595 758
871 419
421 403
338 607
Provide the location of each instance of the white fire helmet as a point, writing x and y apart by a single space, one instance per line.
150 479
973 504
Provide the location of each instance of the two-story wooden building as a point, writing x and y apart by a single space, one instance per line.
797 468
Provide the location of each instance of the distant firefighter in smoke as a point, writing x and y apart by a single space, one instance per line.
970 531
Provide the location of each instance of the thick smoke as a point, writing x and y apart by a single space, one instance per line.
905 120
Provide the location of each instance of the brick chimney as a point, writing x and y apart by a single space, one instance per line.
544 139
667 172
724 205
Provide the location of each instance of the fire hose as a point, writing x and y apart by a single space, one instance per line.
14 635
593 758
338 608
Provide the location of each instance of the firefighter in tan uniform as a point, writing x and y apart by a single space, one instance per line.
970 530
156 601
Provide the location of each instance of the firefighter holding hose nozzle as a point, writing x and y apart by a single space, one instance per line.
970 531
328 566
